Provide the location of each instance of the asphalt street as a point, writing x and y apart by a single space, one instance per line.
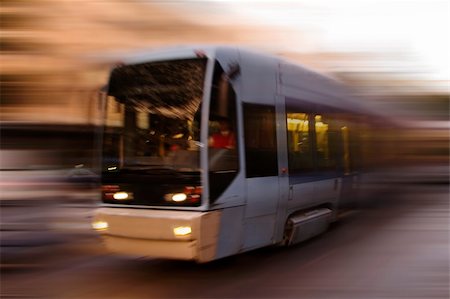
394 247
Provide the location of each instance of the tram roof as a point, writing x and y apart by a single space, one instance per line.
339 95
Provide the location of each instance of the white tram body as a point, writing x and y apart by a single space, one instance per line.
296 160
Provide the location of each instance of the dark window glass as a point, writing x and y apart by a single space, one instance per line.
151 146
223 158
351 147
342 140
260 140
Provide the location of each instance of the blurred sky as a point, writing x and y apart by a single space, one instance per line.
398 35
418 31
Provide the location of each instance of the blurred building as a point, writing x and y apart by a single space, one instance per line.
56 55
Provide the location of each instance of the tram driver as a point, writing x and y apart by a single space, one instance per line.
224 138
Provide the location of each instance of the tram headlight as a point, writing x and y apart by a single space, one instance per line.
176 197
100 225
121 196
190 194
182 231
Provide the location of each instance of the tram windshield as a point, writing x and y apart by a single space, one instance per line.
153 115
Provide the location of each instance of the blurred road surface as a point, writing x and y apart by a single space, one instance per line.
396 248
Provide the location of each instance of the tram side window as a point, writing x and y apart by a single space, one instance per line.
327 143
352 149
223 159
299 142
260 140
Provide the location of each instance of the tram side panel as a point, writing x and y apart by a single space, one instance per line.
251 224
322 170
313 163
260 149
222 163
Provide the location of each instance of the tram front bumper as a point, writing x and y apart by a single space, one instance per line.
186 235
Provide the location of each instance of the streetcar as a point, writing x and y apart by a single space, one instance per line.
213 151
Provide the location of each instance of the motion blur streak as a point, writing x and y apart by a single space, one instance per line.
55 57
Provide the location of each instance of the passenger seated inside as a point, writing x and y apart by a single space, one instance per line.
224 138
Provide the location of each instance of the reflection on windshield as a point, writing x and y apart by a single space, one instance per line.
153 116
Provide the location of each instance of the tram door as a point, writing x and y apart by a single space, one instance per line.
262 174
